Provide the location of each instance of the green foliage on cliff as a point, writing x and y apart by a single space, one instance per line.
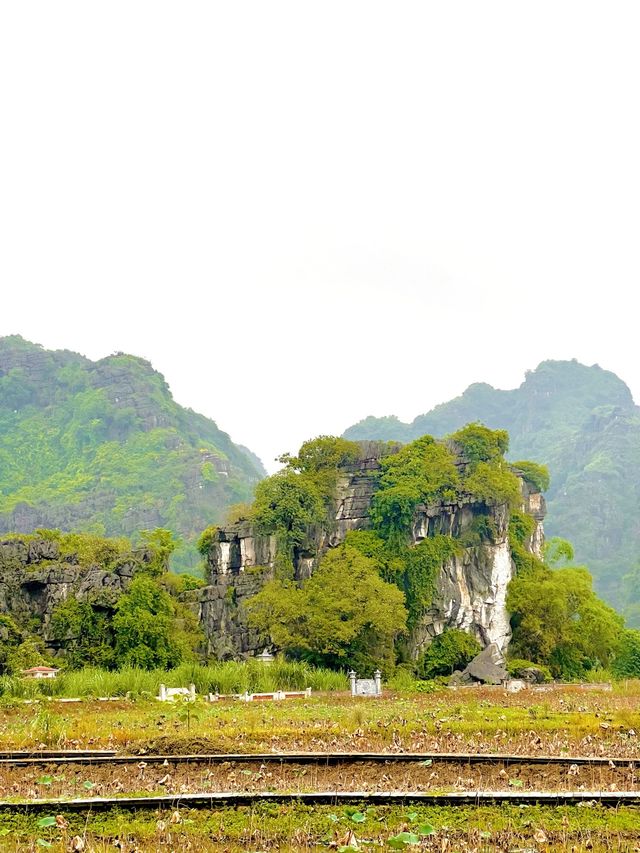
102 447
536 475
301 494
421 472
286 504
478 444
84 632
97 624
343 615
580 421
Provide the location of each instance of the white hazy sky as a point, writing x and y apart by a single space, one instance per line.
303 213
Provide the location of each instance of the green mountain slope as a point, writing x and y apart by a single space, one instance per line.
103 447
580 421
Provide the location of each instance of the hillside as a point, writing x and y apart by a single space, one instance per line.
583 424
103 447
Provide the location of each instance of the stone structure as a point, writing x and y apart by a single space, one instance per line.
471 588
366 686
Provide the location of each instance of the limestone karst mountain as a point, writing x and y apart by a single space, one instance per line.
583 424
103 447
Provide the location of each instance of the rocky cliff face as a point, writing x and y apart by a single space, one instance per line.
34 578
471 587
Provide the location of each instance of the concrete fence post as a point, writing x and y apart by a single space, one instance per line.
352 679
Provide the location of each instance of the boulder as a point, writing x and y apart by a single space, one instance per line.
487 667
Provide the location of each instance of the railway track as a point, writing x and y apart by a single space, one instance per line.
94 759
46 755
215 799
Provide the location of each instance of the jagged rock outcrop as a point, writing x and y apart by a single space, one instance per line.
471 588
35 578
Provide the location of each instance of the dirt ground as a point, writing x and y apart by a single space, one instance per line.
172 778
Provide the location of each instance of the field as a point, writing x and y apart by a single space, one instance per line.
562 721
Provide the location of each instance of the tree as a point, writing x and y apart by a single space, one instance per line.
481 444
30 652
345 615
286 504
85 632
149 628
627 660
10 637
162 543
558 620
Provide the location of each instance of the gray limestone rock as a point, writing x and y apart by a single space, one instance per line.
471 588
488 666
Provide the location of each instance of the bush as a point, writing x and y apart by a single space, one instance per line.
478 443
516 667
451 650
534 474
627 661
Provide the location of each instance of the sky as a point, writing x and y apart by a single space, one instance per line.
305 213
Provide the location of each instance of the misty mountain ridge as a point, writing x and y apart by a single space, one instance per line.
103 447
583 424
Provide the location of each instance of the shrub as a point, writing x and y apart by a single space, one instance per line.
626 663
534 474
478 443
451 650
516 666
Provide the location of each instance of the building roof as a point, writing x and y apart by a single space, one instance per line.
41 669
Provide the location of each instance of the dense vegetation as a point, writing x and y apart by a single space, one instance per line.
558 622
580 421
145 625
365 595
102 447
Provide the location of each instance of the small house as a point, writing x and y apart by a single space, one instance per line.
40 672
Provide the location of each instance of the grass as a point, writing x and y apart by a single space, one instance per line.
558 720
297 827
224 678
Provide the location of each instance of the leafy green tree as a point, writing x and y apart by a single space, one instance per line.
10 637
494 482
421 472
558 620
344 615
481 444
326 452
84 632
286 504
30 652
627 661
148 630
535 474
558 552
450 650
161 543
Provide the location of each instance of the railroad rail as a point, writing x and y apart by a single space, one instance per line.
212 800
45 755
320 758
